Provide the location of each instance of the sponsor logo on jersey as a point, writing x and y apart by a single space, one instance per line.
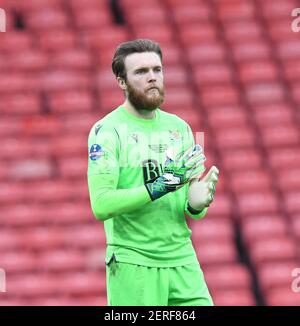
160 148
96 152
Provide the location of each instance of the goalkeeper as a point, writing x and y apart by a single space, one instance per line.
144 175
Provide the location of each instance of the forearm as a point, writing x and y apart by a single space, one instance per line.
107 203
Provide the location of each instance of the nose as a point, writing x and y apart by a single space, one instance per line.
151 76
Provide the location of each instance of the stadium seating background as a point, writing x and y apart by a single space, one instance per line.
232 70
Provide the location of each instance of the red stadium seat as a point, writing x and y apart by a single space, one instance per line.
238 30
291 201
28 286
276 9
295 225
280 30
17 84
71 102
145 15
18 262
78 5
226 117
90 18
178 97
228 277
79 123
205 53
9 238
258 71
172 55
284 158
18 103
283 297
161 33
275 274
241 159
257 203
296 92
63 80
291 69
61 260
46 19
68 213
106 38
234 297
251 50
212 74
198 32
109 100
61 39
259 227
212 228
19 214
272 114
36 5
288 179
87 236
29 61
216 252
81 284
249 181
72 168
191 13
221 205
288 49
175 76
233 10
42 238
283 135
219 95
235 138
262 93
16 41
273 249
72 59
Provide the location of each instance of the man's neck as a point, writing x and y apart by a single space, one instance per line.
144 114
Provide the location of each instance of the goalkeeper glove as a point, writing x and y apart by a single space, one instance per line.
178 170
201 192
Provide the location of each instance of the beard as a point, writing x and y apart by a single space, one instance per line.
148 100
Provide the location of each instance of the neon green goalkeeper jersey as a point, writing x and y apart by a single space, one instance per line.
125 152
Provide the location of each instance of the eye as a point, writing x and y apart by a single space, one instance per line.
139 72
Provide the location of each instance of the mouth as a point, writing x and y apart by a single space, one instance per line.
151 88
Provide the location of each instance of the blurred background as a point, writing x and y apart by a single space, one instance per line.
232 70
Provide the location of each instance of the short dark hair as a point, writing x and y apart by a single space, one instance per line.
126 48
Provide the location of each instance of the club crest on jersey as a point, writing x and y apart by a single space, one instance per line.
135 137
175 135
96 152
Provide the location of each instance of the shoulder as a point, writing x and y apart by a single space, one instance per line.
174 120
107 123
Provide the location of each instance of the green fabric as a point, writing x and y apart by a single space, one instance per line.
125 152
134 285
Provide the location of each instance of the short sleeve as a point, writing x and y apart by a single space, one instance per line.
103 150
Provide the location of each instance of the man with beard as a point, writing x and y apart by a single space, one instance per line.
144 176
